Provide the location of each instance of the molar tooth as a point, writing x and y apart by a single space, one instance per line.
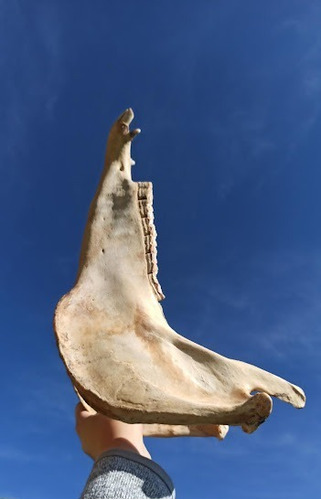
149 262
142 194
148 243
143 209
145 225
143 190
156 287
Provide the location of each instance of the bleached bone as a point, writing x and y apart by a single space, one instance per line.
120 353
164 430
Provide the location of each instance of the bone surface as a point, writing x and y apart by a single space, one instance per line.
163 430
122 356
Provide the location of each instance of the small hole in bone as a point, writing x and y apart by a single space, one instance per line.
122 168
103 250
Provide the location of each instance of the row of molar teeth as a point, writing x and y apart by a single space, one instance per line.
145 199
144 190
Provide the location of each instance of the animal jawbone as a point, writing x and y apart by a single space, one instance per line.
119 351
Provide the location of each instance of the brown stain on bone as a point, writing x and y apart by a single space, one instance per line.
121 200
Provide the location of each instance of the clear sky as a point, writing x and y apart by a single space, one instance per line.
228 97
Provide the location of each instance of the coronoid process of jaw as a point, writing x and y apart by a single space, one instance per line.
123 358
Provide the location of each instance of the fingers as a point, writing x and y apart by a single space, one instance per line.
78 409
81 412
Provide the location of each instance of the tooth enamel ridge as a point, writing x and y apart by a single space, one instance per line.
145 205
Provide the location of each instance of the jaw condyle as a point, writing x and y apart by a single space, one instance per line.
123 358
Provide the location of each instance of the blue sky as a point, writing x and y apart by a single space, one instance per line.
228 97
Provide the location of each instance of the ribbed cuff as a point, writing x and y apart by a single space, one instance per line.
135 457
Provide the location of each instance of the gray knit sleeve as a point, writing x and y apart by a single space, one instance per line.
124 474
